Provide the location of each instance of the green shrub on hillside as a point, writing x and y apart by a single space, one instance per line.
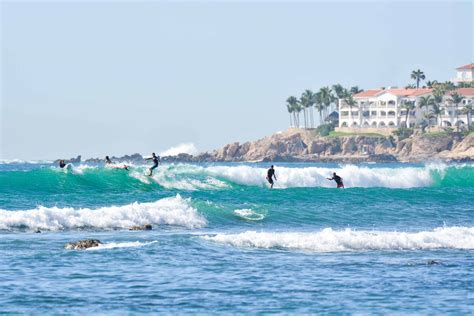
325 129
403 132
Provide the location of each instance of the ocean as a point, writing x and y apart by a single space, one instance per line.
399 239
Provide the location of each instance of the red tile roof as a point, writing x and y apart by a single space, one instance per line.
462 91
401 92
368 93
468 66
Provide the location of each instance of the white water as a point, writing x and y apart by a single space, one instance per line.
249 214
168 211
113 245
353 176
329 240
184 148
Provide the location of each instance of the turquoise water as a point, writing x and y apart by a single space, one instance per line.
223 242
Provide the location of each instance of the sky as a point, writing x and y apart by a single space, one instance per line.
103 78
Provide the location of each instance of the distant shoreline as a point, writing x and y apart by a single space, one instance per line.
305 145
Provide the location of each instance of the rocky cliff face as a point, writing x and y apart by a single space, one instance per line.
303 145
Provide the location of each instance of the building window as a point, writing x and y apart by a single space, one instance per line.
391 123
382 124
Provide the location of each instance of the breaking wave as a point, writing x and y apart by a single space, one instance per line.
329 240
175 211
190 177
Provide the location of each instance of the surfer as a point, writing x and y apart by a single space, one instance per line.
156 161
270 176
338 180
109 162
62 163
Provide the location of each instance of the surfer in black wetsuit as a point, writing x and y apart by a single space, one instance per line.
107 160
62 164
156 161
338 180
270 176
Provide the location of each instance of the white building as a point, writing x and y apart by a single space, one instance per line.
465 73
456 116
381 110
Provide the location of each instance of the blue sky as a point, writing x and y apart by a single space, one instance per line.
97 78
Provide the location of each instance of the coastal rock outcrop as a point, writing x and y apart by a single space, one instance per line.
142 227
307 145
83 244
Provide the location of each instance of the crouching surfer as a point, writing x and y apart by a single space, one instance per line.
338 180
156 161
270 176
109 162
62 164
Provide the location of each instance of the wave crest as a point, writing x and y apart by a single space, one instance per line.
168 211
329 240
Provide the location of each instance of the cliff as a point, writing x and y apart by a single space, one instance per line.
306 145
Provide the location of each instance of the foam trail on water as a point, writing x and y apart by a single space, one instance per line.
168 211
130 244
329 240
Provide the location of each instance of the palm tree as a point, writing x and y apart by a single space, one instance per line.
431 84
349 100
293 103
468 111
417 75
437 100
426 102
319 106
290 111
309 98
304 104
408 106
355 90
326 98
448 86
456 98
338 91
437 110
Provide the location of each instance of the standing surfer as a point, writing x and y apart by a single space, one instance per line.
270 176
107 160
338 180
156 161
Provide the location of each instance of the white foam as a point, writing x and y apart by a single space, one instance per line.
113 245
353 176
168 211
329 240
181 177
249 214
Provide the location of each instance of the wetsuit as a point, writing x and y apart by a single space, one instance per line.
62 164
270 175
155 164
338 180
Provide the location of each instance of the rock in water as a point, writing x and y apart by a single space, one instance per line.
83 244
143 227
